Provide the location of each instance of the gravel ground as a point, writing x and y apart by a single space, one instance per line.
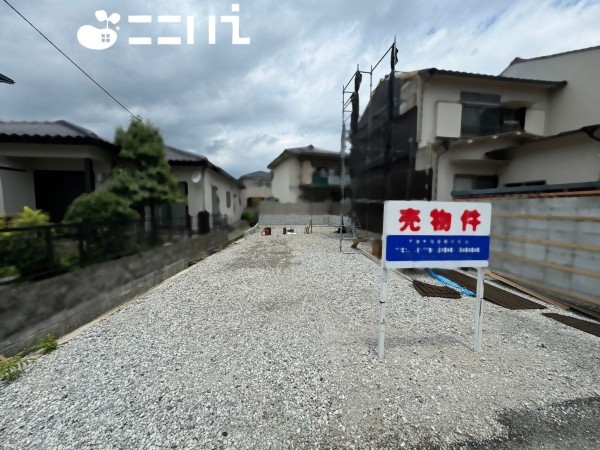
271 344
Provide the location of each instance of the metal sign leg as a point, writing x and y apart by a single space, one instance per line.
478 310
382 298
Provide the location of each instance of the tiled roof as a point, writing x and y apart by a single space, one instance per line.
176 155
520 60
60 128
59 131
260 174
5 79
309 150
545 83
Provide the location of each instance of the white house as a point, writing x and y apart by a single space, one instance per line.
46 165
208 187
306 173
257 185
535 124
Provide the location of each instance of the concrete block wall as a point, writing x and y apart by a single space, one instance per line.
298 219
552 241
61 304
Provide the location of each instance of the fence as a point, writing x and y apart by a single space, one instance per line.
549 243
28 253
324 220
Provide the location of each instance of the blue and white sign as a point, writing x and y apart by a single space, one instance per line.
436 234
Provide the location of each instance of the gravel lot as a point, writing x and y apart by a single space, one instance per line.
271 343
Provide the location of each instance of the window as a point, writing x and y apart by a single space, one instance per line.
228 199
472 182
482 115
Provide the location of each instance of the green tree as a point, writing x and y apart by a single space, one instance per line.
143 176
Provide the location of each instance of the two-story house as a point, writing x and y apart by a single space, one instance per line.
306 174
257 186
535 124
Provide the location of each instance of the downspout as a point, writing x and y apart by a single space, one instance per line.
434 178
421 92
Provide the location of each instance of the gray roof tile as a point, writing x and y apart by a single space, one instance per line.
260 174
5 79
58 132
176 155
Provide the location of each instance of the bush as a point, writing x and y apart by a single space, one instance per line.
250 216
100 207
105 217
26 250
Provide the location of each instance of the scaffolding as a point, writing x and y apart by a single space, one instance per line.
350 110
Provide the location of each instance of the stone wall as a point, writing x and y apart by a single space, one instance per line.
61 304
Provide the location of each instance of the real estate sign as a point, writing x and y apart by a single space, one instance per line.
436 234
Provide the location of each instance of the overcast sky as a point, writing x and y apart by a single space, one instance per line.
241 105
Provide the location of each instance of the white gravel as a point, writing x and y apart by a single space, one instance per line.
271 344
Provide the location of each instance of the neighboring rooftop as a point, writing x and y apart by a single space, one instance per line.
177 157
260 175
57 132
182 157
308 151
518 60
5 79
541 83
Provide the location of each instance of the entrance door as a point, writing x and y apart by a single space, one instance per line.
56 189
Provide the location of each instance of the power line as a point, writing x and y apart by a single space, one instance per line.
70 60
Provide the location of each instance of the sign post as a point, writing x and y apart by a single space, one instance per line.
419 234
382 298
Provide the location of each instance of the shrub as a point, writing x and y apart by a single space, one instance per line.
105 217
250 216
100 207
26 250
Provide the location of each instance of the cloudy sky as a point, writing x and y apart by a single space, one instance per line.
241 105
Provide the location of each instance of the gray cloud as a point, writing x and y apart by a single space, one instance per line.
242 105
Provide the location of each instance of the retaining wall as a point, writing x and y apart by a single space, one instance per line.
61 304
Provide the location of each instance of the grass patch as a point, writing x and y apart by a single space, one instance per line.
12 368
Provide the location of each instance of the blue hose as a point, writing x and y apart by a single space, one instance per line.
451 283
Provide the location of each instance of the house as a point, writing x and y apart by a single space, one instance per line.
534 126
257 185
306 174
46 165
527 141
207 188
